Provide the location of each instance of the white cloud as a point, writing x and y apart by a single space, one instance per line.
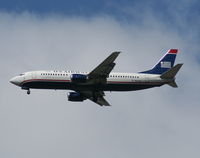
160 122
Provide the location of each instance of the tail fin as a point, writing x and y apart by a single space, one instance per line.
170 74
165 63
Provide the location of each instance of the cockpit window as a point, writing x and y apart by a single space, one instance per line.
21 74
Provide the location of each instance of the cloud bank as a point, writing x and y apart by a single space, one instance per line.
160 122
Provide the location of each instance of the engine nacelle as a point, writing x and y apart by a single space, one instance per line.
78 78
73 96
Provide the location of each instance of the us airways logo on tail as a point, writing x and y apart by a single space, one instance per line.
164 64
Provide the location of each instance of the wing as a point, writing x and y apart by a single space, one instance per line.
97 97
101 72
97 77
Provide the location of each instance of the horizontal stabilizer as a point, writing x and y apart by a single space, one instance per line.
171 73
173 84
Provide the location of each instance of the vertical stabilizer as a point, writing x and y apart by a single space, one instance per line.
165 63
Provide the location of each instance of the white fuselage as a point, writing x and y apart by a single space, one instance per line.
62 80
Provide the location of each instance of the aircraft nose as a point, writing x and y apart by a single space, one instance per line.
15 81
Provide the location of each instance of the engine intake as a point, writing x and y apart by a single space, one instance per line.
76 97
78 78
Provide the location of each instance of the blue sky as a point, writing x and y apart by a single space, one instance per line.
166 11
78 35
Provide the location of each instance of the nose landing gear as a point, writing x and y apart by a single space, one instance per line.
28 91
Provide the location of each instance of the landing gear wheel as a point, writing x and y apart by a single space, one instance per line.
28 91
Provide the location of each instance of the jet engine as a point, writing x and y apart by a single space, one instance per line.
76 97
78 78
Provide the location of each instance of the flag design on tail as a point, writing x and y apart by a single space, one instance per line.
165 63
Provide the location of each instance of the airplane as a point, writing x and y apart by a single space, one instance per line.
91 85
